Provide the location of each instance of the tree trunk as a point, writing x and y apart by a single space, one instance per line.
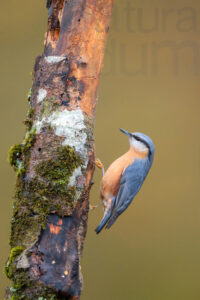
55 162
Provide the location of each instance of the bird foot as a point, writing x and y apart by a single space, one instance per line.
92 207
99 165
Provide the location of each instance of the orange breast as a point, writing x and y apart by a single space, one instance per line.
111 179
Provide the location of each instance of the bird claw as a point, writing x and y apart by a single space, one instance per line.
98 163
92 207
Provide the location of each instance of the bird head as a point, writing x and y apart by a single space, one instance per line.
140 142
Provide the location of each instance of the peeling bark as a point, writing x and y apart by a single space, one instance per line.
55 162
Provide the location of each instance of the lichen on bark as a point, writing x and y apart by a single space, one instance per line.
47 191
46 187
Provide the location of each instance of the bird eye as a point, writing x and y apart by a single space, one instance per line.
136 138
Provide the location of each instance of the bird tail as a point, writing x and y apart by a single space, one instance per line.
105 219
111 221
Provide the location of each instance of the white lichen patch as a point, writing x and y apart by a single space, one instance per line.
69 125
22 262
42 93
77 172
54 59
39 124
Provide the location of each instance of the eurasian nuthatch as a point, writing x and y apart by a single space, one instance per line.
124 178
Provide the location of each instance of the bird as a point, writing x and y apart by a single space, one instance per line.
124 178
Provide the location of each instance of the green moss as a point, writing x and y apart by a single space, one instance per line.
19 155
29 119
14 253
29 94
20 280
60 168
48 191
28 143
55 174
34 289
15 156
26 224
29 139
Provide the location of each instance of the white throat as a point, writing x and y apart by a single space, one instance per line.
137 145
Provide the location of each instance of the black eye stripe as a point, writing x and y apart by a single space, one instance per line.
137 138
141 140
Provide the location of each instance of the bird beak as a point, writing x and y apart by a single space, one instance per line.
126 132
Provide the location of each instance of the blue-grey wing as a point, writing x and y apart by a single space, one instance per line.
130 184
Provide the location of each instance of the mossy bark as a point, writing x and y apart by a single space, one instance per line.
55 163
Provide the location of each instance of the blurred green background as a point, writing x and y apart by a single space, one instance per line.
150 83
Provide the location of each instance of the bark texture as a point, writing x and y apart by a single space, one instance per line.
55 162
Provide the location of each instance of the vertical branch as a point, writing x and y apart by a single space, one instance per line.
55 162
